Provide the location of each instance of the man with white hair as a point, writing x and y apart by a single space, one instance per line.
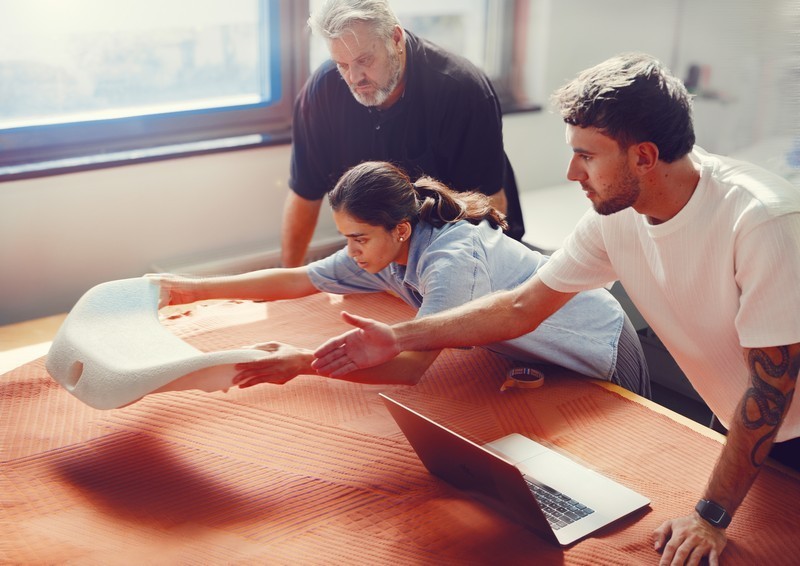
389 95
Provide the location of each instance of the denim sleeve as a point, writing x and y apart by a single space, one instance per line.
452 277
339 274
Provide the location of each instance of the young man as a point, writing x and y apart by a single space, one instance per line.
388 95
707 249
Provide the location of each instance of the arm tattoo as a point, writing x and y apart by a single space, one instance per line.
770 402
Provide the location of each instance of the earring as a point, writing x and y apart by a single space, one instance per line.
401 238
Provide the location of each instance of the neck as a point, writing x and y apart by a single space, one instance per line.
398 91
667 189
396 94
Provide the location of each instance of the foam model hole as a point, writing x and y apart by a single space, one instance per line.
75 372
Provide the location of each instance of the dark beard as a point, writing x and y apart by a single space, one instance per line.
627 195
382 93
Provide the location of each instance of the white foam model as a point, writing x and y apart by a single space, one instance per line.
112 350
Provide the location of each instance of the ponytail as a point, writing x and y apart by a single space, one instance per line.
381 194
440 205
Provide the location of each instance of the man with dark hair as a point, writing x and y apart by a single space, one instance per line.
707 249
388 95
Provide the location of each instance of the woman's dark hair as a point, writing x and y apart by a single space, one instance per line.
632 98
382 194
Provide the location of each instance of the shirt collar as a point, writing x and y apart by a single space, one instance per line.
421 237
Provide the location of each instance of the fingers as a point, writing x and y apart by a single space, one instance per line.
329 348
687 540
266 346
357 321
331 364
332 359
336 368
661 534
253 373
337 342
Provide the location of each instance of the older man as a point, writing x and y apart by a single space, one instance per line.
388 95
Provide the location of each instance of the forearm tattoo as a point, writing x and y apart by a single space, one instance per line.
770 403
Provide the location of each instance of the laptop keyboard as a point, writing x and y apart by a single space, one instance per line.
559 509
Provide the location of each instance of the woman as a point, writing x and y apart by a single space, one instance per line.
435 249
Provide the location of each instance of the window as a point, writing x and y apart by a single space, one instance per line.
87 82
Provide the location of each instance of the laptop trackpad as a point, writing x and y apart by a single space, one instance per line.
515 448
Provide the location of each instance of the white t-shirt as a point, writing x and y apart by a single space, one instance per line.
721 275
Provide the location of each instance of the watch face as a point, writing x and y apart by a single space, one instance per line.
714 513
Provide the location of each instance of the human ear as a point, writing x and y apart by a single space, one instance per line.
397 37
403 230
644 156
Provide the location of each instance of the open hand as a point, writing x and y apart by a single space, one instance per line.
687 540
370 344
175 289
283 364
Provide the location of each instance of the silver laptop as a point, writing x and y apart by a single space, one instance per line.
544 490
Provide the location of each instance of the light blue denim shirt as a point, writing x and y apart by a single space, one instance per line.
459 262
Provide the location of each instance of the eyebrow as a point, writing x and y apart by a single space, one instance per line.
359 52
354 234
581 150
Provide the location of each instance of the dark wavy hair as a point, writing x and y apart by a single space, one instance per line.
631 98
382 194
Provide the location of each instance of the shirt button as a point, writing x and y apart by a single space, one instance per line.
377 126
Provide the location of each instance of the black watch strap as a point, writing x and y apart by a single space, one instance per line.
714 513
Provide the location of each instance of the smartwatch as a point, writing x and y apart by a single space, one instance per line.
714 513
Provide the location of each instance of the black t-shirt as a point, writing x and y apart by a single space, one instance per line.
447 125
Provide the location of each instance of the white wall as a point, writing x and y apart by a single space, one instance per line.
751 50
60 235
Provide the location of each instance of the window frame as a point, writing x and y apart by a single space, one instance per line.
53 149
56 148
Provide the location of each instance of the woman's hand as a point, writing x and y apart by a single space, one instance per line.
284 363
175 289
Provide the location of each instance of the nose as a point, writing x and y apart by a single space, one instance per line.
575 171
355 73
352 249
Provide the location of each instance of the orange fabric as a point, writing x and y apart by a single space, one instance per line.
316 472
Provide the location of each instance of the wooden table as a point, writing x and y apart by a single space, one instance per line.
316 471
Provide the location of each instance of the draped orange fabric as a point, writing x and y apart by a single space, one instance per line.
316 471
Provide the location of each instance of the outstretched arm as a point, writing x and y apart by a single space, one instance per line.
773 378
263 285
492 318
287 362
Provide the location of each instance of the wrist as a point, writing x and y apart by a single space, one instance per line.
404 337
304 359
713 513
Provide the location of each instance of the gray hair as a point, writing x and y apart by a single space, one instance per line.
335 17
